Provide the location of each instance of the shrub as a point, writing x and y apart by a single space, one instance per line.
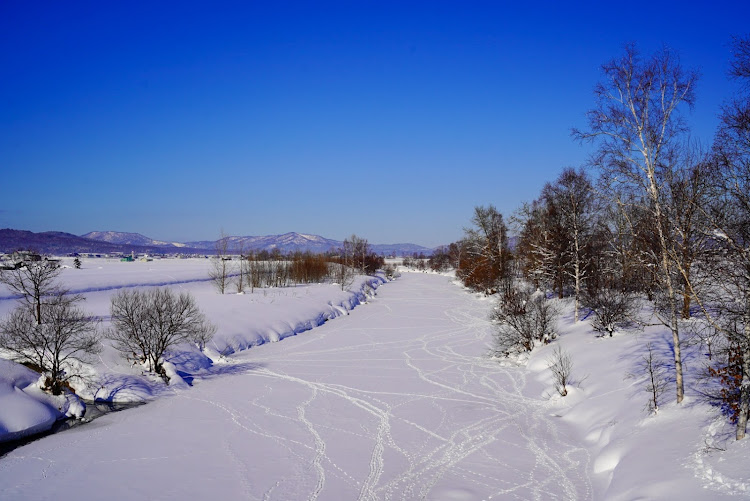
147 323
524 319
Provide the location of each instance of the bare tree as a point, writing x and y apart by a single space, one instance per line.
740 66
536 248
636 123
656 382
241 269
456 251
485 262
221 264
572 198
524 319
54 342
355 252
252 267
730 220
342 273
34 281
439 261
628 234
613 309
689 189
148 323
561 366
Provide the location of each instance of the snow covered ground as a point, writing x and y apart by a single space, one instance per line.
243 321
397 400
685 451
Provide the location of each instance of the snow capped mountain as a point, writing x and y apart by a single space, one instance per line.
399 249
124 238
116 241
50 242
287 242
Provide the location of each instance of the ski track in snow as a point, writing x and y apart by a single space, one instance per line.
396 401
559 469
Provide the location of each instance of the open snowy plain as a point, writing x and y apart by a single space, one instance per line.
393 399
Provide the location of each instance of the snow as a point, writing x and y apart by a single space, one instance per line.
635 454
24 408
397 400
243 321
20 412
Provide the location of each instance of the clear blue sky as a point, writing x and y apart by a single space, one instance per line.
391 120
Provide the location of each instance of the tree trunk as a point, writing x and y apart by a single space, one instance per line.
677 350
745 385
673 324
578 277
685 305
668 285
742 415
686 295
671 295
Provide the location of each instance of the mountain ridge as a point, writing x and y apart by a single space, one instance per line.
55 242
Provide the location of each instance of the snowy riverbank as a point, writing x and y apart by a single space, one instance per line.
243 321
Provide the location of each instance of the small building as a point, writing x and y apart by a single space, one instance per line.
19 259
25 256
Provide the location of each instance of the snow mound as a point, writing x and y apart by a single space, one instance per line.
23 411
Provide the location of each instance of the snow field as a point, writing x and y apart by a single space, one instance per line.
634 454
396 401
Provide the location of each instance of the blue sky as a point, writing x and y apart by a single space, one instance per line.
391 120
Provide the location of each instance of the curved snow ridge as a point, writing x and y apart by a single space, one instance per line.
26 410
283 329
189 362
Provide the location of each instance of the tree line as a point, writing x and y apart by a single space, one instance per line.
655 222
246 270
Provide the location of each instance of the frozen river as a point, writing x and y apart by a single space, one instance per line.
397 400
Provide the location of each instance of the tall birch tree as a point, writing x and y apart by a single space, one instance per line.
636 124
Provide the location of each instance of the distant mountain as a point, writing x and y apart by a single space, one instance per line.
50 242
288 242
400 249
53 242
292 241
123 238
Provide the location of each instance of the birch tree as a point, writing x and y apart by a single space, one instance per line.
241 269
689 190
355 252
220 264
34 281
573 199
730 218
636 123
535 248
